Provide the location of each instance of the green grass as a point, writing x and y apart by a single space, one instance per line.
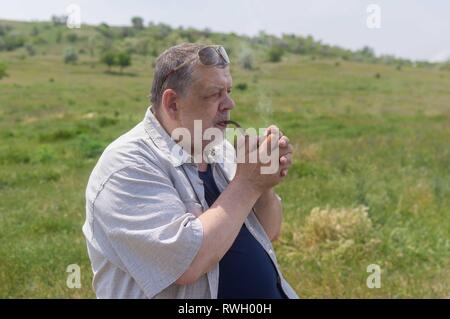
359 140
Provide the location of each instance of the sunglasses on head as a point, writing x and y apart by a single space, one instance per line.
214 55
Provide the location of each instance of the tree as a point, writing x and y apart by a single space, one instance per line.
2 70
105 30
109 58
59 20
123 60
275 54
138 23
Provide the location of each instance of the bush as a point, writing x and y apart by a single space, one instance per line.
30 49
59 20
109 58
126 32
241 86
123 60
70 56
275 54
45 154
72 37
90 147
330 224
107 121
142 47
246 60
105 31
35 31
11 41
58 36
2 70
4 29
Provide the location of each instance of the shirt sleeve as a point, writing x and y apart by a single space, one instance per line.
148 226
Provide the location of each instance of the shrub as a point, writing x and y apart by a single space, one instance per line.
11 41
246 60
330 224
106 121
109 58
45 154
123 60
4 29
35 31
2 70
241 86
70 56
72 37
30 49
89 147
275 54
59 20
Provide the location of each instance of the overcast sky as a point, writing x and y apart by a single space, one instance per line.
413 29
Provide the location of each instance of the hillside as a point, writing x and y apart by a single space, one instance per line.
372 152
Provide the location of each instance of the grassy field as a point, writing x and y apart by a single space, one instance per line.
366 135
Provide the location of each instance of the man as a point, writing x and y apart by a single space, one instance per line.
160 225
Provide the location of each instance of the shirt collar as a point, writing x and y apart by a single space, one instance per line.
173 151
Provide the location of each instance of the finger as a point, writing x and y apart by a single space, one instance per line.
284 172
268 143
286 160
271 129
284 141
274 128
278 134
286 150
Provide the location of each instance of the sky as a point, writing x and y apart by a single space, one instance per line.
414 29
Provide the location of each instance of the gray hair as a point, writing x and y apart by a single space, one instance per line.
166 62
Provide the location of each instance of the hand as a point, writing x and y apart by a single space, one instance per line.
252 154
285 149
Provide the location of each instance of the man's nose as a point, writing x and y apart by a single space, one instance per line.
227 104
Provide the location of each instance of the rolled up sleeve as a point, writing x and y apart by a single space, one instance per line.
148 226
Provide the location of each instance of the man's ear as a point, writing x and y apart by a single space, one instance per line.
169 103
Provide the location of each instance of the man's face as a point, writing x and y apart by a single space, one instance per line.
207 99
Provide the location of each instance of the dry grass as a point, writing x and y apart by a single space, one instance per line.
331 224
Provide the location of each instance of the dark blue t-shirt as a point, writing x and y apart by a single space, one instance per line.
246 270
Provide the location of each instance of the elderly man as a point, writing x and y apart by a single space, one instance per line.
161 225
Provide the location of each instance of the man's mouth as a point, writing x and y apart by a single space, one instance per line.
222 124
